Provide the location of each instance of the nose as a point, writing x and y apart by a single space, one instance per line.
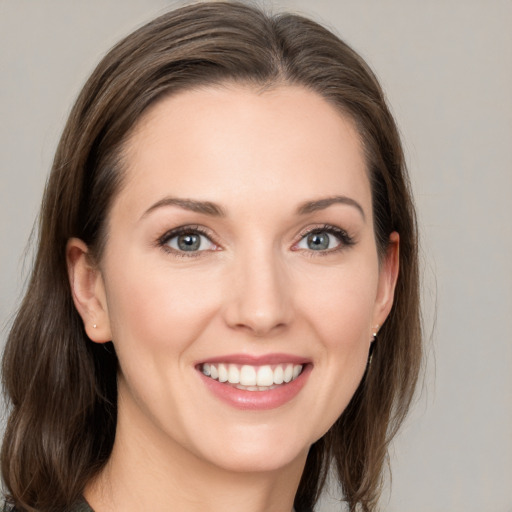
259 298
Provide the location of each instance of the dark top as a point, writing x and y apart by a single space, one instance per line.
80 506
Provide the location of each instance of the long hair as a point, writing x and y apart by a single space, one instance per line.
61 386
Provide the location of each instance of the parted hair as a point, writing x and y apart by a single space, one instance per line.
61 387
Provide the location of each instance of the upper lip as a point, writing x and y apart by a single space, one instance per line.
258 360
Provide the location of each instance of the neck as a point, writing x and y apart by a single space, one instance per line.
148 472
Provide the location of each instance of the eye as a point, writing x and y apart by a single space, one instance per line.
319 241
187 239
325 239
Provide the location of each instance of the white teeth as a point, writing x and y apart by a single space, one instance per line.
288 373
248 375
223 373
279 375
265 376
253 378
233 374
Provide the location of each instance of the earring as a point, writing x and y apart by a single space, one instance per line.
94 326
372 344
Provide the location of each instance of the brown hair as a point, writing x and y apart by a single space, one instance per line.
62 387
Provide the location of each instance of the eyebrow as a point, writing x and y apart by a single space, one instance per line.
321 204
205 207
214 210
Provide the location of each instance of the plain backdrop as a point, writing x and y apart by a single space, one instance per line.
447 69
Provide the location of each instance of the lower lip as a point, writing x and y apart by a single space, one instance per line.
257 400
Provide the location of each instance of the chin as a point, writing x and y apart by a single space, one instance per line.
261 451
261 461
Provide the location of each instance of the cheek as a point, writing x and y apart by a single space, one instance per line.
342 322
152 308
340 315
340 304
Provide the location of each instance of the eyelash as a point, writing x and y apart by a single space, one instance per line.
345 240
183 230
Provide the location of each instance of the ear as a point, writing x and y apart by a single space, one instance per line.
88 291
388 276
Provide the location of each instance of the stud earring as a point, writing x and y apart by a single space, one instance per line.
94 326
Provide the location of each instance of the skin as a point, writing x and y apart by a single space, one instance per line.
257 288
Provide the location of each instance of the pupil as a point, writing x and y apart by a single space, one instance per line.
318 241
189 242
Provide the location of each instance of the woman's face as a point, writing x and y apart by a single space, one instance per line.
241 247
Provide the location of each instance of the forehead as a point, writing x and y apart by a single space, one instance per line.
234 144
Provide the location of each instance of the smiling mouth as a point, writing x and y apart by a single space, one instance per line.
252 378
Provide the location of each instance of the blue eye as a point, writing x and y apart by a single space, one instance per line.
325 239
320 241
187 240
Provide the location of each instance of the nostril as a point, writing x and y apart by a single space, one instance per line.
260 329
258 300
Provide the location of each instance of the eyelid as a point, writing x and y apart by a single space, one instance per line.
163 240
342 235
345 239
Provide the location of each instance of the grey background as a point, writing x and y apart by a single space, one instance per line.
447 69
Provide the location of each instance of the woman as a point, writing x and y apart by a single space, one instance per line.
216 314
